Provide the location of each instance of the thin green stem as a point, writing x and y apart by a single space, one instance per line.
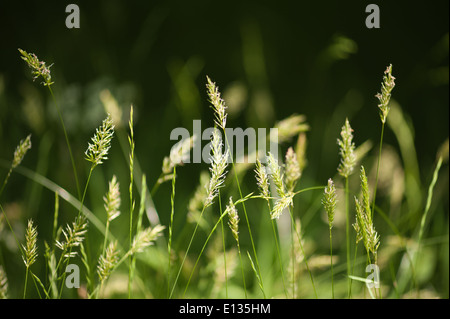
427 208
243 206
157 184
224 249
353 268
302 250
25 285
187 251
242 269
67 141
275 236
293 260
6 180
378 170
169 245
331 265
347 233
203 248
131 166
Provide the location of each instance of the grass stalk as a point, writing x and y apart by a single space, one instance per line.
331 265
280 262
185 255
378 170
74 168
243 206
291 213
347 236
202 250
131 165
224 249
169 245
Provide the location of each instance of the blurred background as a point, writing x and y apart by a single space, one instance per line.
269 59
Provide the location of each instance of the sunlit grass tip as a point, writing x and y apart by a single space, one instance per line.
346 150
101 142
30 248
38 68
384 97
217 103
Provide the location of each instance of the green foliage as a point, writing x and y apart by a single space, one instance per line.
297 244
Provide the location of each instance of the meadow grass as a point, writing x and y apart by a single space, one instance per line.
166 262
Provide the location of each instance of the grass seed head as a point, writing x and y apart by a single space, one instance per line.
346 150
217 169
30 250
73 236
38 68
112 200
233 219
262 179
107 262
329 201
276 174
292 171
21 150
146 238
101 142
384 97
281 204
217 103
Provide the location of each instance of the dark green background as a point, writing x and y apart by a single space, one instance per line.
137 44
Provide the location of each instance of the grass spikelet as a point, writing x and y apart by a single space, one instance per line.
217 169
346 150
38 68
365 192
217 103
276 174
21 150
112 205
292 170
385 96
30 249
19 154
29 254
284 202
112 200
74 236
329 201
107 262
145 238
262 179
233 220
97 152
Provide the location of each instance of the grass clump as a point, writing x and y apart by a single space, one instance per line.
175 255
